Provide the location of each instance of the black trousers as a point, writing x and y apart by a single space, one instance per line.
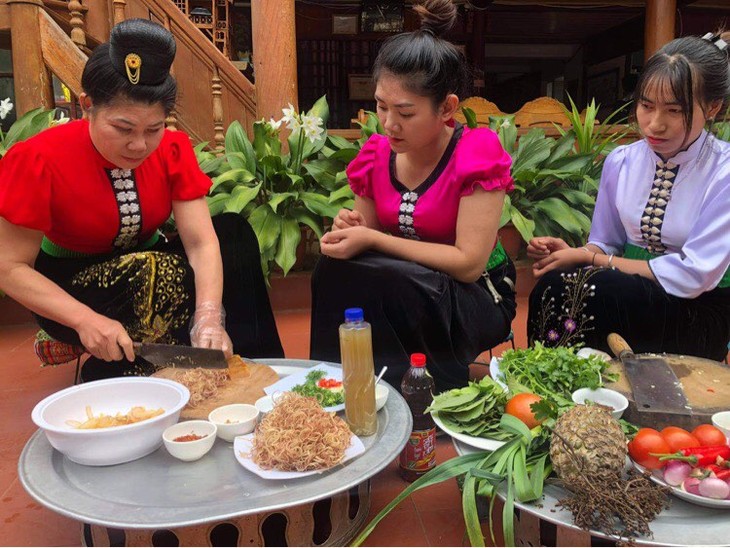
584 306
411 309
152 293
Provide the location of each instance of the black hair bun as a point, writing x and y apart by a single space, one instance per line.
142 51
437 16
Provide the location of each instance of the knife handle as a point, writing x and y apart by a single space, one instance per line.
619 346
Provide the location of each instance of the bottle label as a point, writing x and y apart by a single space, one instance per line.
419 453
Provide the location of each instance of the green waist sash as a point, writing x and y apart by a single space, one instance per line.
55 250
498 256
632 251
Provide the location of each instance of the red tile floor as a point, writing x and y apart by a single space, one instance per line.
431 517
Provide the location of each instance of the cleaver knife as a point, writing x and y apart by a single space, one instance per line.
173 355
654 384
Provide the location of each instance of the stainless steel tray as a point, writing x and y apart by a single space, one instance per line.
161 492
682 524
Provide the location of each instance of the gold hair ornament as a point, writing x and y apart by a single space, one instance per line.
133 64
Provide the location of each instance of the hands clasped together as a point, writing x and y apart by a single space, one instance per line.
555 254
350 236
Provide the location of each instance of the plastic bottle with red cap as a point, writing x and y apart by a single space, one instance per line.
419 454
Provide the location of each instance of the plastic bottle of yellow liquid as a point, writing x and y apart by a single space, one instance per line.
358 373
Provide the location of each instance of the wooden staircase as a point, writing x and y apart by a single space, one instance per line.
54 36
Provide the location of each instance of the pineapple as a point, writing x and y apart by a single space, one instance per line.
598 444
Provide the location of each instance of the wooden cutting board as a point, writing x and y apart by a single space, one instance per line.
705 383
237 390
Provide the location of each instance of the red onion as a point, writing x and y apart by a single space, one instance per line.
675 472
692 486
714 488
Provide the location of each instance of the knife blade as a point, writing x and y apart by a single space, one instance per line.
654 384
173 355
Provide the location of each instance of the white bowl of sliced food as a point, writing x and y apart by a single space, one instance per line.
111 421
234 420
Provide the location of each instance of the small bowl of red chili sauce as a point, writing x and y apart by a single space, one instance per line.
189 440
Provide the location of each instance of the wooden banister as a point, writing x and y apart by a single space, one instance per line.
119 14
60 53
78 36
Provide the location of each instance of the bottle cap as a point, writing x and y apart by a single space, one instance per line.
418 360
354 315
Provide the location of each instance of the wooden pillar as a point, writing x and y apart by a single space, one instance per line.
274 56
218 127
77 23
119 14
171 120
32 80
659 25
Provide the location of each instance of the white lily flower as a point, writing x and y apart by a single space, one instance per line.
312 127
289 114
505 124
294 124
62 120
275 124
5 107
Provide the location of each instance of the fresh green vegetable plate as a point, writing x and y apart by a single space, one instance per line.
300 378
486 444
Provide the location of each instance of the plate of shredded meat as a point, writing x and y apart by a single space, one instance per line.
296 439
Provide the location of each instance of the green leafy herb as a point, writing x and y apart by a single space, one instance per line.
553 373
326 397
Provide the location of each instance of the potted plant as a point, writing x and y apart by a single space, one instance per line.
556 179
281 192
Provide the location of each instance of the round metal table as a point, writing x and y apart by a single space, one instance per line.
159 492
682 524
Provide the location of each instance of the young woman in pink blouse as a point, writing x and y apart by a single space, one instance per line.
419 252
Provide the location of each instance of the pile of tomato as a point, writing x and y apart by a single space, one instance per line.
649 442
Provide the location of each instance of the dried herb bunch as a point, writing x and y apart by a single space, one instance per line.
621 507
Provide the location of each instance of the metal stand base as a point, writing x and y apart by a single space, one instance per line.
332 521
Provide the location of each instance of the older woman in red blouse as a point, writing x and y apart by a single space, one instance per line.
80 210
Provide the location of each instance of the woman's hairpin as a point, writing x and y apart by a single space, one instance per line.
133 64
716 40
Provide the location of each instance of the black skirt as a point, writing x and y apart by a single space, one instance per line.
584 306
152 293
412 309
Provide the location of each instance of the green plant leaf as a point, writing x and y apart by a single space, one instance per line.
231 178
267 226
277 198
321 109
562 148
306 217
469 508
561 213
211 166
505 217
237 142
447 470
525 226
341 193
27 125
470 116
217 203
344 155
324 171
200 147
264 144
286 253
319 204
240 198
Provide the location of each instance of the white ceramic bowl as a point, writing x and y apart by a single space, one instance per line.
722 421
234 420
604 396
189 450
118 444
381 396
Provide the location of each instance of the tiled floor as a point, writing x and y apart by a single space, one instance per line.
431 517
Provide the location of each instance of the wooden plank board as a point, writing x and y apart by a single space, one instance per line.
237 390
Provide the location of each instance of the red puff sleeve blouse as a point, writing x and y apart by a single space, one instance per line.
59 184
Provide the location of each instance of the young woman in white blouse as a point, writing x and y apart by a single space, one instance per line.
655 269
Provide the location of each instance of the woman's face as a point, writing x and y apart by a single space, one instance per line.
662 121
125 132
410 120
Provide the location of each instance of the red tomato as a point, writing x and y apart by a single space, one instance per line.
519 406
648 441
679 438
708 434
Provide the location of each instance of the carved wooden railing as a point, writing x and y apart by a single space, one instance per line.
212 92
